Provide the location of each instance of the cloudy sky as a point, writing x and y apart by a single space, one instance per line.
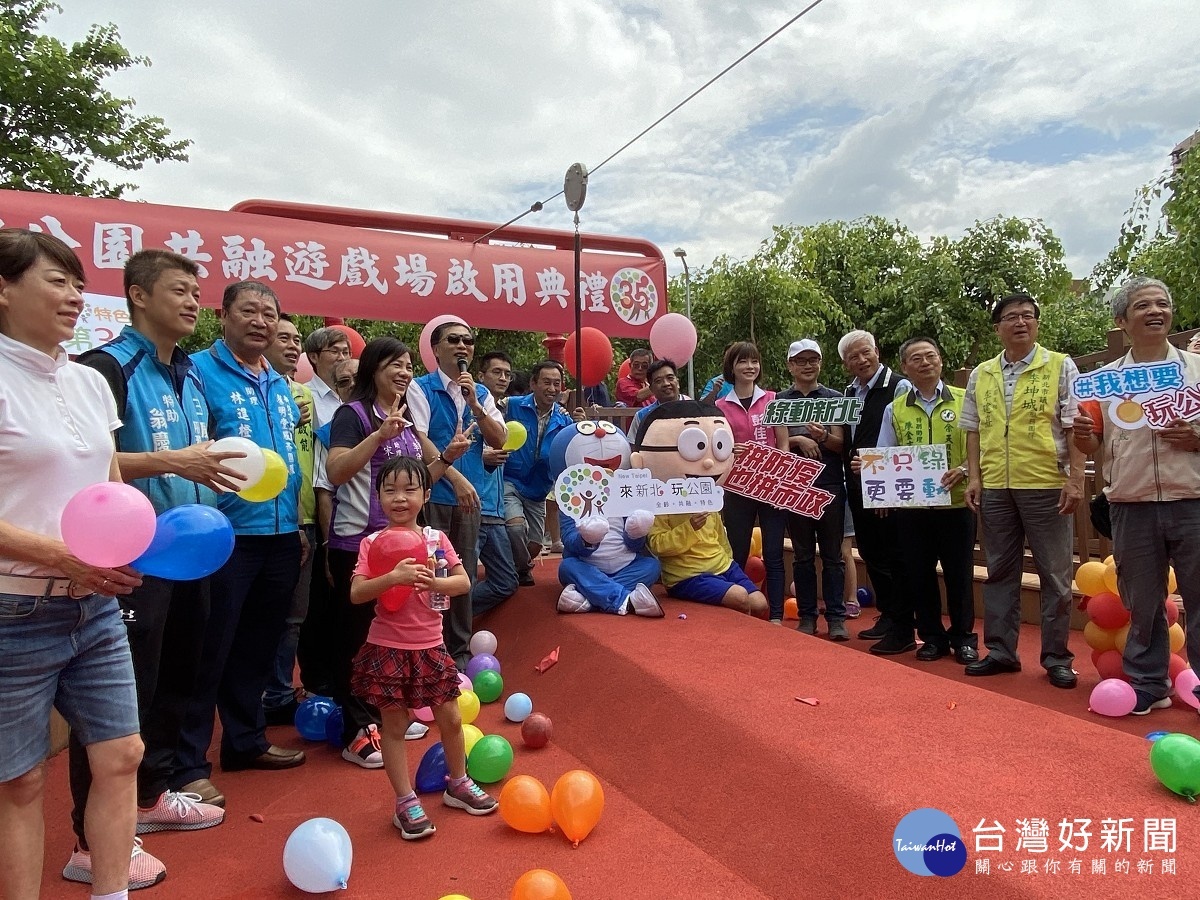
934 112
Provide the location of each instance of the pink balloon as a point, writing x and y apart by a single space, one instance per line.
673 337
464 683
1185 682
108 524
427 356
1113 697
424 714
304 370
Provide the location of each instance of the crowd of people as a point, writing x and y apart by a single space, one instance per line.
141 666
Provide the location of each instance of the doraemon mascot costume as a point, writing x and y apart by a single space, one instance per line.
605 565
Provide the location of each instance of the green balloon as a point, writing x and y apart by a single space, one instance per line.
490 759
1175 759
488 686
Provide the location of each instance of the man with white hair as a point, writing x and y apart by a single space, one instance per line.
874 532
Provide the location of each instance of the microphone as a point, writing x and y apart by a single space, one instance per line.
462 368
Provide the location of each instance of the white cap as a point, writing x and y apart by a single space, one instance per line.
799 347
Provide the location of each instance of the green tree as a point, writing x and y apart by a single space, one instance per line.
1165 246
57 122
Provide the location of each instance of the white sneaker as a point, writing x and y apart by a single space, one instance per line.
571 601
645 603
416 731
364 749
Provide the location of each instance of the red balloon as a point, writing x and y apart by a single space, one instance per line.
1176 665
536 730
597 355
392 546
755 570
1108 664
1107 611
1172 612
624 370
356 340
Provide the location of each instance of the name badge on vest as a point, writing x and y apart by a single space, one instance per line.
948 415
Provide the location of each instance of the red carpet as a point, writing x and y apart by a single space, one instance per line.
718 783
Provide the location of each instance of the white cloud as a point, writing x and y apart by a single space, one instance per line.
476 109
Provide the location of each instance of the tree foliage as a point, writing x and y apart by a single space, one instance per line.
1165 246
57 122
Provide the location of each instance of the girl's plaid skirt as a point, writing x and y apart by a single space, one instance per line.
391 678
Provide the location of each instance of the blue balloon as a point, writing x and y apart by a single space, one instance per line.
190 542
311 716
333 728
433 771
1156 735
517 707
317 856
865 597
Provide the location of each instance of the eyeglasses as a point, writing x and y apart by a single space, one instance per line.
338 352
1009 318
467 340
500 374
922 357
805 362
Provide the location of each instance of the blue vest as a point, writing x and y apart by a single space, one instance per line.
241 406
442 427
528 467
164 410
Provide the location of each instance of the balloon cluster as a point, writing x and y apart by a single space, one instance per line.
575 804
113 524
1107 630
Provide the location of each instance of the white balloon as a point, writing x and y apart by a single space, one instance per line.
317 856
483 642
251 466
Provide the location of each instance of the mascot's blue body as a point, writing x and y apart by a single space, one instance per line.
605 564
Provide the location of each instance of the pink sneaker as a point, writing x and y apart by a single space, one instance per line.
144 870
179 811
469 796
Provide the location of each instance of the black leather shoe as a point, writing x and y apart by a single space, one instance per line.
273 758
878 631
1062 677
966 655
892 645
930 652
990 666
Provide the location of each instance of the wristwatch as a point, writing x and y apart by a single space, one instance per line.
964 471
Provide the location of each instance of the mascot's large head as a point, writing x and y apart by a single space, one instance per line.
600 444
684 439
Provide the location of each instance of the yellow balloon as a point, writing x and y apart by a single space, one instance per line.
1099 638
1089 578
454 897
517 435
1110 578
1176 636
756 541
1110 560
1172 584
471 736
272 483
1121 638
468 706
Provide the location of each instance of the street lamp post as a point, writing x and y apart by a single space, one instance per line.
687 288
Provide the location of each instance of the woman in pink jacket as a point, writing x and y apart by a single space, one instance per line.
744 407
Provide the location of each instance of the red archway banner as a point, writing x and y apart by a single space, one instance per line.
351 263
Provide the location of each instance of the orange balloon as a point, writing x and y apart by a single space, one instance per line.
540 884
1172 584
756 541
577 802
790 609
525 805
1100 638
1110 578
1177 637
1089 578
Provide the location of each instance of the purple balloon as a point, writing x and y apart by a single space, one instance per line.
481 661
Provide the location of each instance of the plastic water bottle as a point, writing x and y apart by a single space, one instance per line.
439 600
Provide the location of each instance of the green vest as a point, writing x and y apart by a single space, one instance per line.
914 426
303 437
1017 451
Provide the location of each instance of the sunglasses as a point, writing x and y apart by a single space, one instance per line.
467 340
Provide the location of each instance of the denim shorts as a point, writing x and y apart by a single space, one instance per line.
64 653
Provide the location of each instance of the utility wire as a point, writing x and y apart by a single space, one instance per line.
536 207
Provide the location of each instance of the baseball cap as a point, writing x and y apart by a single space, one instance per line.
799 347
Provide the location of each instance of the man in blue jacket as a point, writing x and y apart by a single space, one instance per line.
252 593
441 404
527 478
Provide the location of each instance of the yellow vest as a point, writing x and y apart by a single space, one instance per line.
1018 451
913 426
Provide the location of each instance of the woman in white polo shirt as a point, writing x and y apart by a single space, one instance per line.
62 641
